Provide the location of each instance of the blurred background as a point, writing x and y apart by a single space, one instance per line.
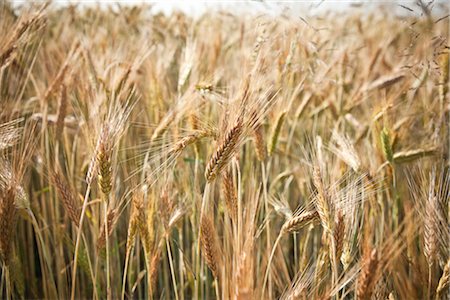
196 8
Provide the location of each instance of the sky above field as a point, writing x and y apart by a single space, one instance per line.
275 7
196 8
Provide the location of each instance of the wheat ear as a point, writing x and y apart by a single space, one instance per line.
386 145
210 245
366 282
8 219
296 223
260 146
67 196
322 202
339 234
230 194
224 152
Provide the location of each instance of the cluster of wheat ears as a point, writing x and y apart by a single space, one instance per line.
225 156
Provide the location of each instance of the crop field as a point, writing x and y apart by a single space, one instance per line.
225 155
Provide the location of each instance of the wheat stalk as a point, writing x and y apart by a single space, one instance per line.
62 111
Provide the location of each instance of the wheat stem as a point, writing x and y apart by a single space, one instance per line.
77 243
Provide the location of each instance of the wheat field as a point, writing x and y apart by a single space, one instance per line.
224 156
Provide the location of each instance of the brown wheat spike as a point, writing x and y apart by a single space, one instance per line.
166 208
430 230
444 282
338 234
111 130
144 234
230 194
150 211
380 291
111 220
259 143
62 110
8 219
224 152
12 44
189 140
322 202
57 81
104 165
251 111
153 269
366 282
7 56
141 218
298 222
210 245
67 196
